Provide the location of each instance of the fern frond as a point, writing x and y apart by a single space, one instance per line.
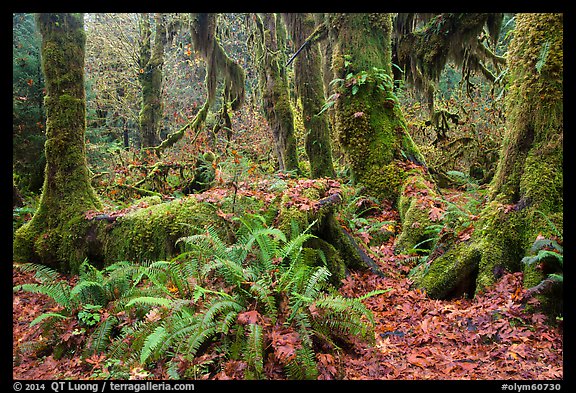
375 292
150 301
46 315
100 338
90 292
219 306
87 272
58 291
254 350
293 248
345 315
317 282
199 337
265 295
152 342
303 366
42 273
546 243
544 255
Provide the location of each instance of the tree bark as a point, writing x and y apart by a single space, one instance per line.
310 91
151 61
370 126
274 88
67 191
526 194
369 123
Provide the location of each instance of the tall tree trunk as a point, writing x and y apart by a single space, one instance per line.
274 88
369 123
151 61
310 91
527 189
49 238
370 126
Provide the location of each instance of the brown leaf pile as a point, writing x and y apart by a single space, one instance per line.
490 337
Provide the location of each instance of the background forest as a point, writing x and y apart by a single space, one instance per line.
287 196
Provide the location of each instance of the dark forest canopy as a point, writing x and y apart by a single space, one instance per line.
245 175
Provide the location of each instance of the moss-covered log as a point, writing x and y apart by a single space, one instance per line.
67 191
527 190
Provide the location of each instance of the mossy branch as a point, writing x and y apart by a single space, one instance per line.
320 33
141 191
195 125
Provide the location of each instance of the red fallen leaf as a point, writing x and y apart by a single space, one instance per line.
358 114
419 360
435 213
247 317
285 345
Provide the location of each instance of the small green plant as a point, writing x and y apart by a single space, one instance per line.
353 82
90 315
549 255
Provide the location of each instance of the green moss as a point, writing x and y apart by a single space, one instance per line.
152 233
452 274
529 179
53 236
414 212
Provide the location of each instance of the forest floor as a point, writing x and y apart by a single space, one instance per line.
490 337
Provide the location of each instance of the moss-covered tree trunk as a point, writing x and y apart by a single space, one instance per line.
310 90
370 126
67 191
274 89
151 61
528 184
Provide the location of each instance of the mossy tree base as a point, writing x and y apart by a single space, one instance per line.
526 198
67 191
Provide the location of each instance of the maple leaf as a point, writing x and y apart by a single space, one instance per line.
248 317
435 213
419 360
285 345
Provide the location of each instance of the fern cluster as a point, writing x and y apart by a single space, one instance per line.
264 282
258 300
548 253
